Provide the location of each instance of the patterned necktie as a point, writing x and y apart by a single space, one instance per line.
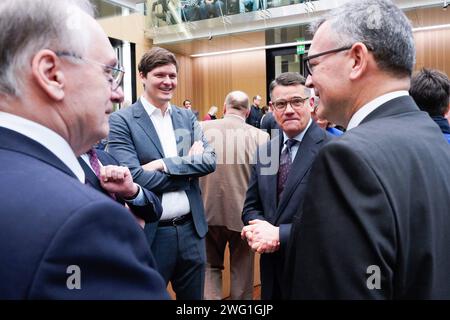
93 160
285 166
95 164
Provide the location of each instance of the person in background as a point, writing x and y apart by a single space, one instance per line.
374 222
235 143
59 238
254 118
430 89
211 115
269 124
187 104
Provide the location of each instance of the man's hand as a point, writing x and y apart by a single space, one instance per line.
118 180
155 165
261 236
197 148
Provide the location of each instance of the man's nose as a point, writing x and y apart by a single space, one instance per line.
289 108
117 95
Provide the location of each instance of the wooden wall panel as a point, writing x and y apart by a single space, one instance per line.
433 50
215 76
184 87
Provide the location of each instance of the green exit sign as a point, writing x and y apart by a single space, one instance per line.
300 47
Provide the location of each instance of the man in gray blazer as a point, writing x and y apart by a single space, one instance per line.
166 151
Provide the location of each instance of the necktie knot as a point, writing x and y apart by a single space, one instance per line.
290 143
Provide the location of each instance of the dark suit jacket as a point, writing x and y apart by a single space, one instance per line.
380 197
254 118
269 123
133 141
150 212
50 221
261 198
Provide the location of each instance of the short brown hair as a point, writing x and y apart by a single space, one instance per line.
287 79
154 58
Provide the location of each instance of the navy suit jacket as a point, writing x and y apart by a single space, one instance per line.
50 222
150 212
133 141
378 207
261 198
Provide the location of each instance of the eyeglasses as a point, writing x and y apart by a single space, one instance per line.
115 73
296 103
308 69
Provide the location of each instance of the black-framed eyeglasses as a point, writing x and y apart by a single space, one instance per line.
115 73
295 102
308 69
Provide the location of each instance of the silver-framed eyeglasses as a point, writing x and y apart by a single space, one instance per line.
115 73
295 102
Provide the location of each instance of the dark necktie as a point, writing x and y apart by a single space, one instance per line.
285 166
93 160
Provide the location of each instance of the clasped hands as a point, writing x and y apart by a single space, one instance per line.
261 236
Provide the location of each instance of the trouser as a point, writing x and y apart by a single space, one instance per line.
241 264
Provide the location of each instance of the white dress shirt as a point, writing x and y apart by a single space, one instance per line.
298 137
46 137
362 113
174 203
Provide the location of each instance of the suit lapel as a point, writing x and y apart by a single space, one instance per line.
182 134
270 180
14 141
91 178
301 164
146 124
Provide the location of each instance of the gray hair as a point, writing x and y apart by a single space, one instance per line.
237 100
28 26
381 26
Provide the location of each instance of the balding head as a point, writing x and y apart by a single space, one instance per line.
236 102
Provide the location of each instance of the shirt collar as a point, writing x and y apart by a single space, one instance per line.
298 137
365 110
46 137
151 108
229 115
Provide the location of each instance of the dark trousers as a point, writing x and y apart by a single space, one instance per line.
180 257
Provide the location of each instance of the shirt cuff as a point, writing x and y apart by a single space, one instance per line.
140 199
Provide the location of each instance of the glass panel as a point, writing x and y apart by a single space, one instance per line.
287 63
169 12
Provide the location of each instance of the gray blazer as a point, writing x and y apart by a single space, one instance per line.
133 141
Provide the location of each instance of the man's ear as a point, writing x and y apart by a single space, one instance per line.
224 108
46 72
360 57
